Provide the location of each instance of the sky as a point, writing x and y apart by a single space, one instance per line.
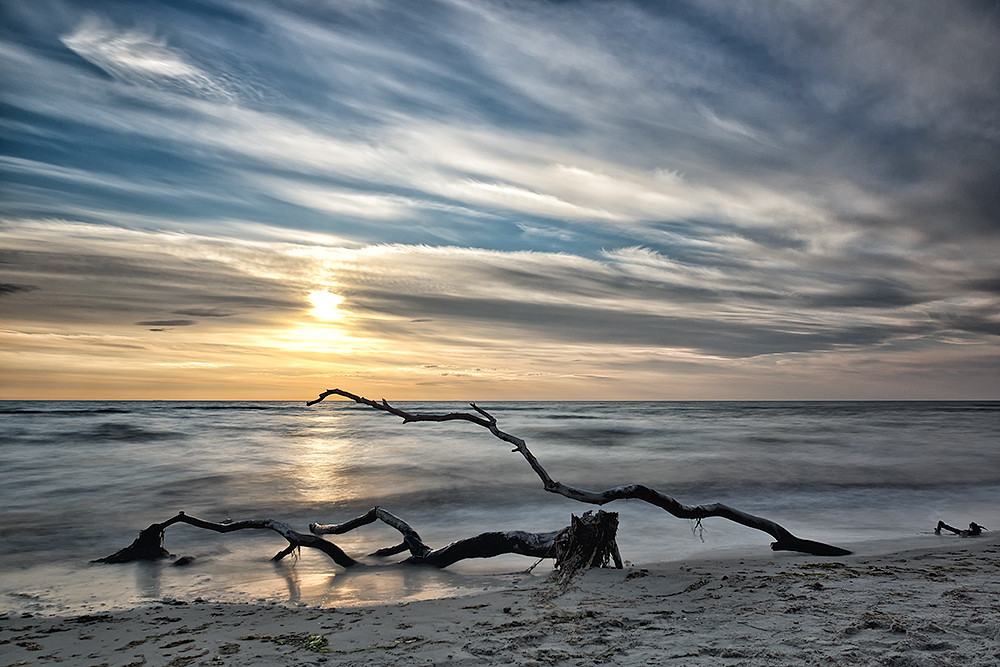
483 200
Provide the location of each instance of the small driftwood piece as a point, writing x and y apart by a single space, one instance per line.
784 540
974 529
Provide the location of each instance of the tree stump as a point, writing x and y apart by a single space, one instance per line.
589 541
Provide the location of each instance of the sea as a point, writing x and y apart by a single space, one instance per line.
79 479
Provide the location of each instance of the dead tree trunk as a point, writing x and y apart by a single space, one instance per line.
784 540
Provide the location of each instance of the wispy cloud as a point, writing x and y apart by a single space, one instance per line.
166 323
141 58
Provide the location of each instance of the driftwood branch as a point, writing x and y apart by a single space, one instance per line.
974 529
484 545
149 544
411 540
586 543
784 540
589 541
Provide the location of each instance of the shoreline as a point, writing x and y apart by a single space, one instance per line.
927 600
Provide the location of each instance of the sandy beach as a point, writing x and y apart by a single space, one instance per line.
928 600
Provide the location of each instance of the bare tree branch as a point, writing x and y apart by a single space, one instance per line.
784 540
149 544
484 545
411 540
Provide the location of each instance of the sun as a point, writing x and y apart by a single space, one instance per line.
326 305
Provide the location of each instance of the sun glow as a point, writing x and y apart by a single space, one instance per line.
315 338
326 305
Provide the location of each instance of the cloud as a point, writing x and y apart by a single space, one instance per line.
203 312
732 127
546 232
462 166
447 156
990 285
106 276
901 92
587 324
166 323
141 58
14 288
636 298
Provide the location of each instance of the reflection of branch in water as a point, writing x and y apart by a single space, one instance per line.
389 583
291 577
147 578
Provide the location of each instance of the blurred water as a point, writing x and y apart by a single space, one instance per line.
79 479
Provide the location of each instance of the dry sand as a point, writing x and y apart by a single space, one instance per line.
930 601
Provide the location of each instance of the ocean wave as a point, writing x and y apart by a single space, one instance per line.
597 436
62 411
226 407
115 431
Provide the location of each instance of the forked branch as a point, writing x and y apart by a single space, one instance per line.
484 545
784 540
